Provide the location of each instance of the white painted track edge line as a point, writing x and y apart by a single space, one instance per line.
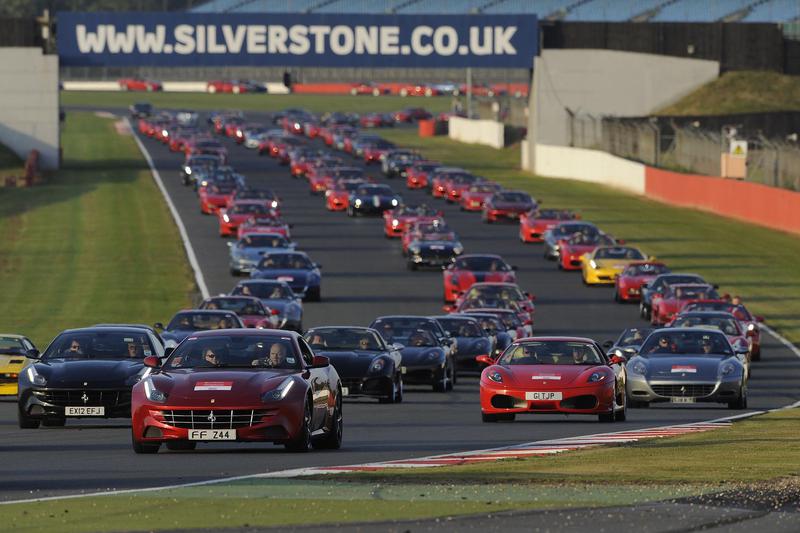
187 244
781 339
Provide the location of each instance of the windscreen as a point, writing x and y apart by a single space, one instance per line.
679 342
235 351
264 290
344 339
264 240
461 327
482 264
285 262
551 353
402 329
727 325
618 253
240 306
95 344
188 321
11 346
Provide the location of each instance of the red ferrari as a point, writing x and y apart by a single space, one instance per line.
399 219
263 224
533 224
238 386
664 306
140 84
215 196
417 174
252 312
231 218
507 205
475 268
474 197
418 90
628 285
570 375
337 196
368 88
572 248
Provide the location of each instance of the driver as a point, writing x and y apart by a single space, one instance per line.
277 355
578 355
418 339
210 357
75 347
662 346
706 346
133 350
364 343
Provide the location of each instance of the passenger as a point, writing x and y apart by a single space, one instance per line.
276 293
133 350
210 357
317 341
365 343
75 347
662 346
578 355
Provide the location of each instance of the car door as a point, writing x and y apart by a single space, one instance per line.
320 388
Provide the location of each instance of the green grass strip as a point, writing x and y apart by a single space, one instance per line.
756 263
94 244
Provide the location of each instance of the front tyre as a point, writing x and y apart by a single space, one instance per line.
145 447
498 417
333 439
181 445
741 402
26 422
302 443
314 294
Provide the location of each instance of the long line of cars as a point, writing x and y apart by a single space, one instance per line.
241 367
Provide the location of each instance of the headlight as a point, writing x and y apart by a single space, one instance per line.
377 366
35 378
414 249
495 376
751 327
433 355
638 368
592 264
204 183
165 133
152 393
274 204
280 392
727 369
358 202
458 249
395 223
143 373
188 170
395 202
596 377
226 218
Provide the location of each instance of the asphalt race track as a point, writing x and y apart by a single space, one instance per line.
364 275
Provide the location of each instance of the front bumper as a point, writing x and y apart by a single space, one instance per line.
434 260
40 403
367 386
600 276
423 374
589 400
641 389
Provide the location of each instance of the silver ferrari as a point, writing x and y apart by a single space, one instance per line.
687 366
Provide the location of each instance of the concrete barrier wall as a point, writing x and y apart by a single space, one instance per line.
29 110
750 202
169 86
592 166
486 132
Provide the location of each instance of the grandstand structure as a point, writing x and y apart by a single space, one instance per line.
780 11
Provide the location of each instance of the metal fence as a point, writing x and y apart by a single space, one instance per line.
685 148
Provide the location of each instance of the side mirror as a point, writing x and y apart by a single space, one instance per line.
33 353
513 267
618 359
485 359
620 241
168 351
645 285
274 312
152 361
320 361
158 325
759 319
317 265
448 308
397 346
230 244
608 344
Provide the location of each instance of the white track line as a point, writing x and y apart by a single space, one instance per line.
783 340
187 244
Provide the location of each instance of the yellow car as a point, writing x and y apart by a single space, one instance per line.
605 263
12 361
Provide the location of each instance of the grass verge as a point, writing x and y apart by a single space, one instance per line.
10 163
94 244
317 103
756 263
741 92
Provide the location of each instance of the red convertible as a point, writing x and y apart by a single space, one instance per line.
474 197
399 219
140 84
441 177
750 323
238 386
417 174
628 285
231 218
263 224
337 196
665 306
553 375
475 268
533 224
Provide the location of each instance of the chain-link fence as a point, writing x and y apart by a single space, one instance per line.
663 143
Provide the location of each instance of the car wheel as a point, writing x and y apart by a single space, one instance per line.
145 447
26 422
404 92
315 294
757 355
376 92
212 89
236 89
412 265
391 393
353 92
498 417
428 93
333 439
621 413
741 401
302 443
181 445
445 383
54 422
235 272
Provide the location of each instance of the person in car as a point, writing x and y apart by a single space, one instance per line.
364 343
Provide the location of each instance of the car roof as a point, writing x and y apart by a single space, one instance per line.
558 339
718 314
99 328
685 285
456 316
242 332
13 336
206 311
364 328
493 256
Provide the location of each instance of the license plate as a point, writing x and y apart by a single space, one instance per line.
345 391
513 215
543 396
285 278
437 247
681 399
85 411
212 434
376 201
403 370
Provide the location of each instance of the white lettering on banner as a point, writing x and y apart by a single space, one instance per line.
213 46
474 40
120 42
367 40
149 42
502 40
234 40
184 38
445 40
390 37
201 39
256 39
342 40
277 39
319 33
90 42
417 45
299 36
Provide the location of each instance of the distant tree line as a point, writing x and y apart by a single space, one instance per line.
32 8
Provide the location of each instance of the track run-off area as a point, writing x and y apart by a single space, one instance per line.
363 276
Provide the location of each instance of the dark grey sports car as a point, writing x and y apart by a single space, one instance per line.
366 364
85 372
686 366
471 339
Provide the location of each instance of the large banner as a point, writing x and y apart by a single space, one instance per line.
294 39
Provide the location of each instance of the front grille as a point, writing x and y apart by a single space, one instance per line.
8 378
689 390
213 419
64 398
